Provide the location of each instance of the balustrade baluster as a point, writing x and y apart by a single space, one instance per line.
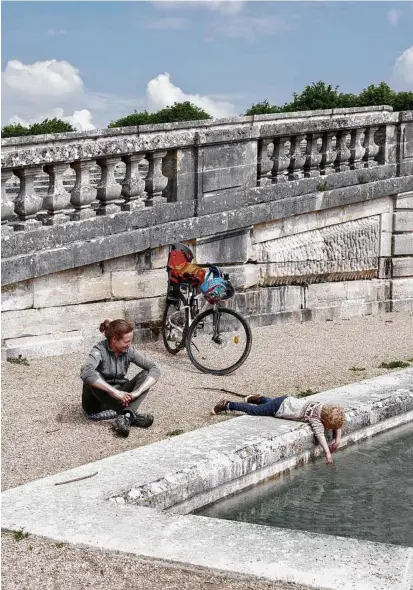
109 190
341 163
133 185
265 152
281 160
58 198
372 149
357 148
83 193
28 202
328 153
313 156
155 182
298 158
7 205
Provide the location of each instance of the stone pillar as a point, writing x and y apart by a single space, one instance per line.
28 202
155 182
357 149
58 198
281 160
371 148
328 153
298 158
7 205
109 190
83 193
133 185
313 156
341 163
402 253
265 152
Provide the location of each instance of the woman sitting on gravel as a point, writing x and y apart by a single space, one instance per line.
106 392
318 415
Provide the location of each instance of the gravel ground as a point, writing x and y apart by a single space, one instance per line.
42 419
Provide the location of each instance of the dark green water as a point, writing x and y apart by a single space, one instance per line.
366 494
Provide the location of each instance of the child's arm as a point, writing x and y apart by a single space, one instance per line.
318 429
335 443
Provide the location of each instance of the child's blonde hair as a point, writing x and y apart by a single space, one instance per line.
332 417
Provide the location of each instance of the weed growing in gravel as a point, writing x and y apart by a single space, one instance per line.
305 393
20 360
60 544
176 432
20 535
394 365
356 369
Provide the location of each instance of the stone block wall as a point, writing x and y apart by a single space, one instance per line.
324 265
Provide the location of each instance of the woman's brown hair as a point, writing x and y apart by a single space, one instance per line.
115 329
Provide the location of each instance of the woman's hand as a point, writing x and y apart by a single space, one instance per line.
334 446
125 398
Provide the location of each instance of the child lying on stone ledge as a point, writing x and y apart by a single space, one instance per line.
318 415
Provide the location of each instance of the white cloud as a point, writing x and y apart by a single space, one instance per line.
161 92
56 32
41 79
222 6
81 120
168 23
403 68
393 16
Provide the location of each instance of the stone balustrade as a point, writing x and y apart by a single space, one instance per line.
310 213
183 162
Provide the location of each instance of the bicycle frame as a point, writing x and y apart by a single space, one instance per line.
190 298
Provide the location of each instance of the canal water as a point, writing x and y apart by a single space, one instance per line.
366 494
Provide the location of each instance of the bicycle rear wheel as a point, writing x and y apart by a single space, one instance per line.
175 324
219 341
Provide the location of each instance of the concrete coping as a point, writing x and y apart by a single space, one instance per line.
106 511
110 132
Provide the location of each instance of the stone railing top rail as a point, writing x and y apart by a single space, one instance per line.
95 133
69 147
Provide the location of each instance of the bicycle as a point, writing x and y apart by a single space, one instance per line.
217 339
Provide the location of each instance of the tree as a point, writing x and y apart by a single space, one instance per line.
46 126
179 111
319 95
262 108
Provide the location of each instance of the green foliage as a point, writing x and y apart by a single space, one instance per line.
20 535
179 111
46 126
394 365
262 108
319 96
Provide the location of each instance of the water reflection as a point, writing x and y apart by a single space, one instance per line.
367 494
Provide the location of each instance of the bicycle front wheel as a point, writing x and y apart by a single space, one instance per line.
219 341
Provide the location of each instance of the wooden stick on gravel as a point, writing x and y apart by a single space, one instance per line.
60 483
222 389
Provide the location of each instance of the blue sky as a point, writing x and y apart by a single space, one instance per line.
100 60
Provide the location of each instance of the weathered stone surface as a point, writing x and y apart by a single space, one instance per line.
351 246
278 299
128 284
144 311
122 263
403 221
51 320
326 294
226 166
402 288
290 226
403 267
46 345
403 244
404 201
72 287
17 296
232 247
243 276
